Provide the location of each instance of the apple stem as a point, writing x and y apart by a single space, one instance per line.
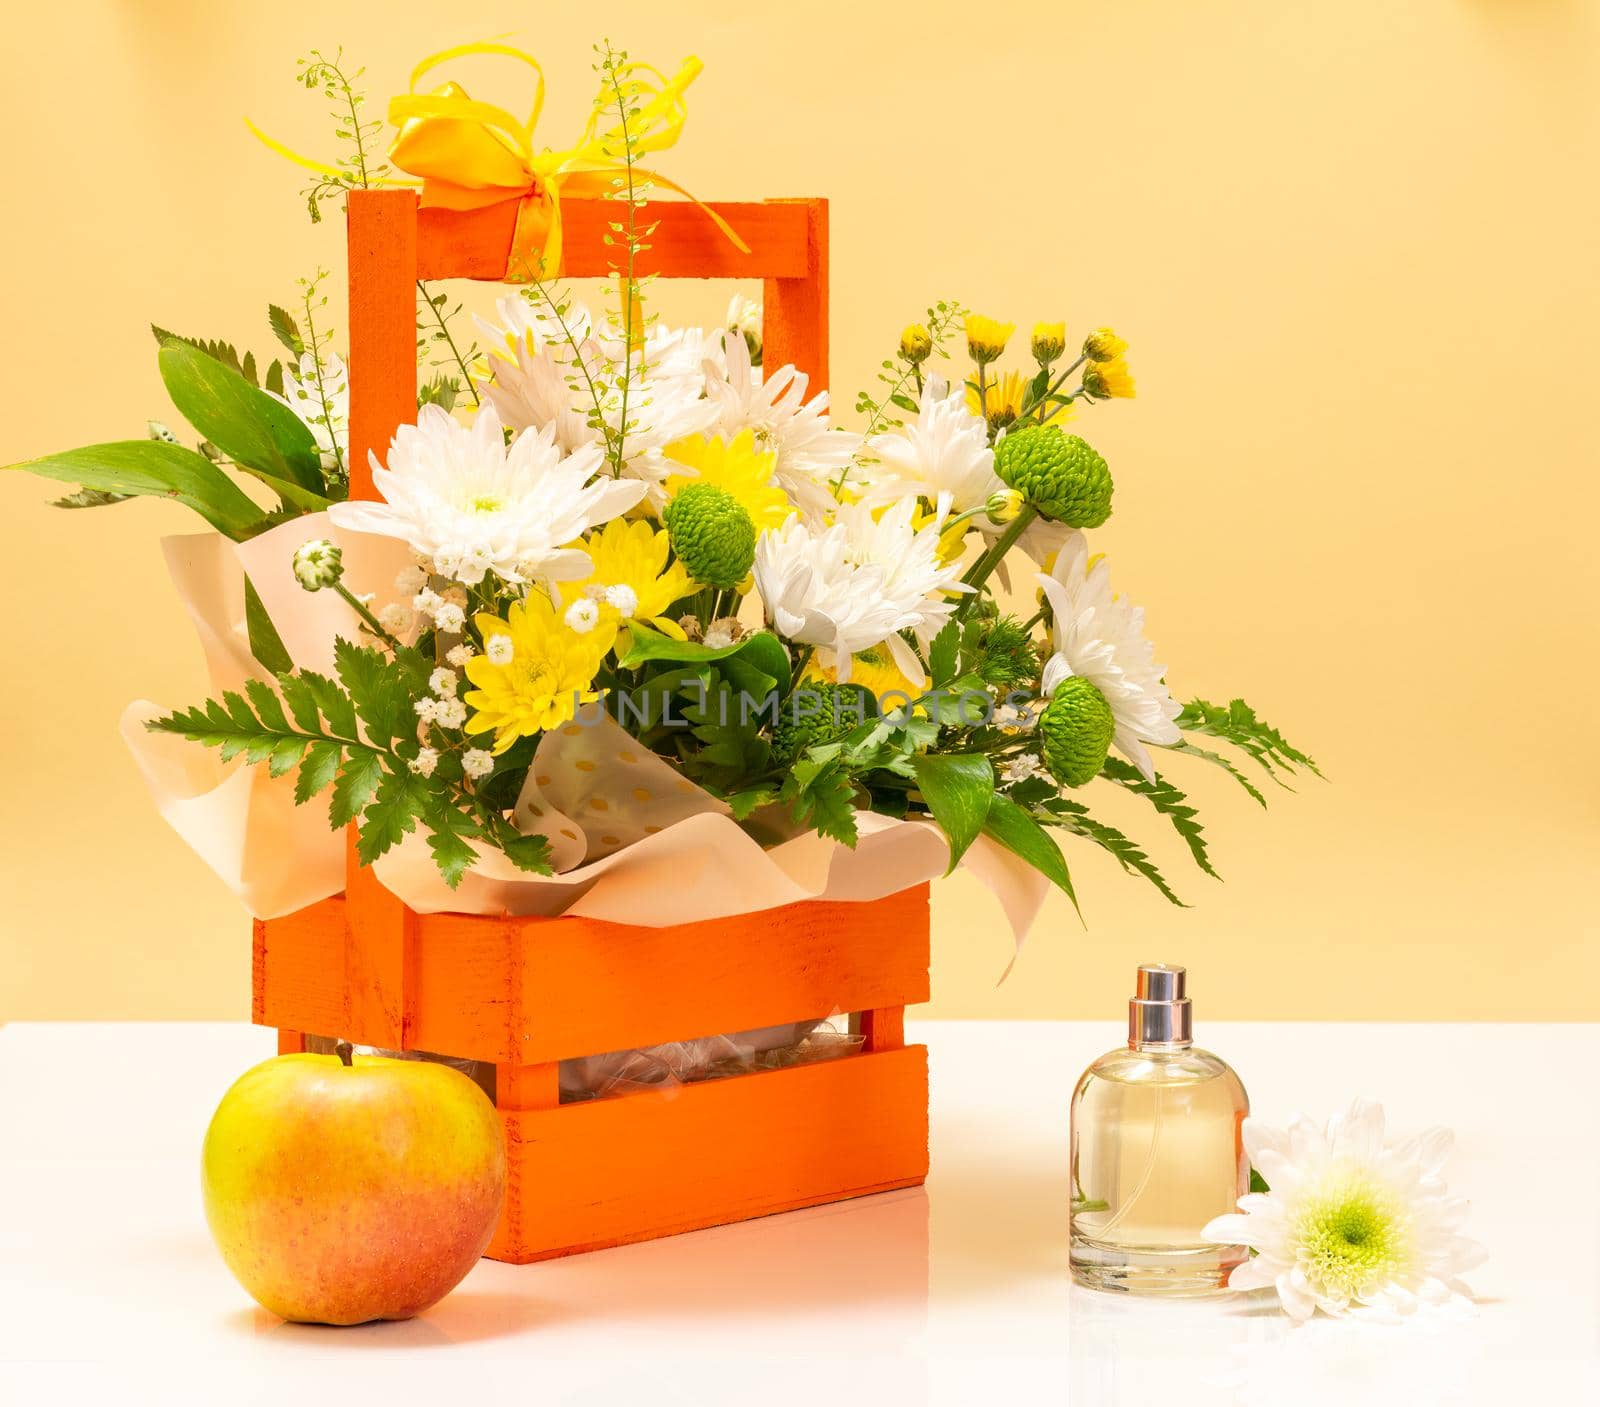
344 1050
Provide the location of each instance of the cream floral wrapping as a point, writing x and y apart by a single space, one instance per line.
632 840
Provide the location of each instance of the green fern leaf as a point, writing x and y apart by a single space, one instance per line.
1169 801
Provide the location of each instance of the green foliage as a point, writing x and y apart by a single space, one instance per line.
1237 723
285 329
156 469
261 435
437 344
820 794
1019 831
359 166
1074 816
1216 759
89 498
958 789
1169 801
999 649
265 643
901 375
379 689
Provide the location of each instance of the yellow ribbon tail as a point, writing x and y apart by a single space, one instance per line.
321 168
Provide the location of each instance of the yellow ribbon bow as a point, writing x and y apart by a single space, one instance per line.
471 154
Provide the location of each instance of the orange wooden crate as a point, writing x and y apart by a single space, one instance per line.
527 993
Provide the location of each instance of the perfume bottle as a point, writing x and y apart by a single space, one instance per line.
1156 1153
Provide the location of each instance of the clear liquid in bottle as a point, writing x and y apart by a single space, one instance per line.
1156 1154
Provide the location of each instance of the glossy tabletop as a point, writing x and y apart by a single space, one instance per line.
953 1294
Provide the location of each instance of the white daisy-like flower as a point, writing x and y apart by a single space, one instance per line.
443 682
582 616
458 655
858 583
1100 637
425 761
475 762
945 450
470 504
499 649
1355 1223
538 379
320 397
811 452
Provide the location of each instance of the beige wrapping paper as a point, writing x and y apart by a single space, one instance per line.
633 841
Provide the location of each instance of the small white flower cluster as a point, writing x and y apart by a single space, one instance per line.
447 614
475 762
458 655
499 649
582 616
722 632
1019 769
425 761
445 710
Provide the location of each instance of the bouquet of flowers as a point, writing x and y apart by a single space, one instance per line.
605 522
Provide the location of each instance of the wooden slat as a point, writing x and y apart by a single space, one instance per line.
299 970
531 990
686 244
613 1171
795 306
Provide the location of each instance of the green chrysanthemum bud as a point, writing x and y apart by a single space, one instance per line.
712 535
1049 341
1075 732
317 564
1059 474
915 344
817 712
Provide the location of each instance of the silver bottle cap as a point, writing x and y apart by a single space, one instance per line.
1159 1013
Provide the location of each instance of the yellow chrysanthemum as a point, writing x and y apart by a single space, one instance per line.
1103 345
986 338
1003 399
1049 341
872 669
549 673
1107 379
735 466
631 556
952 541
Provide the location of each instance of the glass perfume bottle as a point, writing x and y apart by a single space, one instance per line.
1156 1153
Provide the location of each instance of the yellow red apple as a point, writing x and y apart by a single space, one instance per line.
340 1193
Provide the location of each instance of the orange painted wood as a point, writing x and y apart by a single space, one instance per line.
884 1028
382 236
291 1042
529 991
795 306
521 990
686 244
611 1171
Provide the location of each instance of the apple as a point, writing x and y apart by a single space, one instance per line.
343 1189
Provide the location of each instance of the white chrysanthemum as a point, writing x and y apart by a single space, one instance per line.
1354 1222
1100 637
538 379
945 450
858 583
471 505
811 452
321 399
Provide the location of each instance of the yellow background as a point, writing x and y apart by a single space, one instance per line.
1354 249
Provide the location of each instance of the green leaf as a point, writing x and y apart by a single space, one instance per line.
155 469
744 803
268 707
1015 829
1169 801
378 689
273 381
1237 724
286 754
354 787
763 650
218 351
450 833
958 788
821 795
530 853
261 435
1218 760
1257 1182
265 642
285 329
1074 816
317 771
944 653
400 798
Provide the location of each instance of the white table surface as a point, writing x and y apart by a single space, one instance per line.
953 1294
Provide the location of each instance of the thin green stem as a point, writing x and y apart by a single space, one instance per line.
444 329
1051 390
360 608
322 391
979 571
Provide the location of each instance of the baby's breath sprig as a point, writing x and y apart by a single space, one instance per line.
433 327
359 167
